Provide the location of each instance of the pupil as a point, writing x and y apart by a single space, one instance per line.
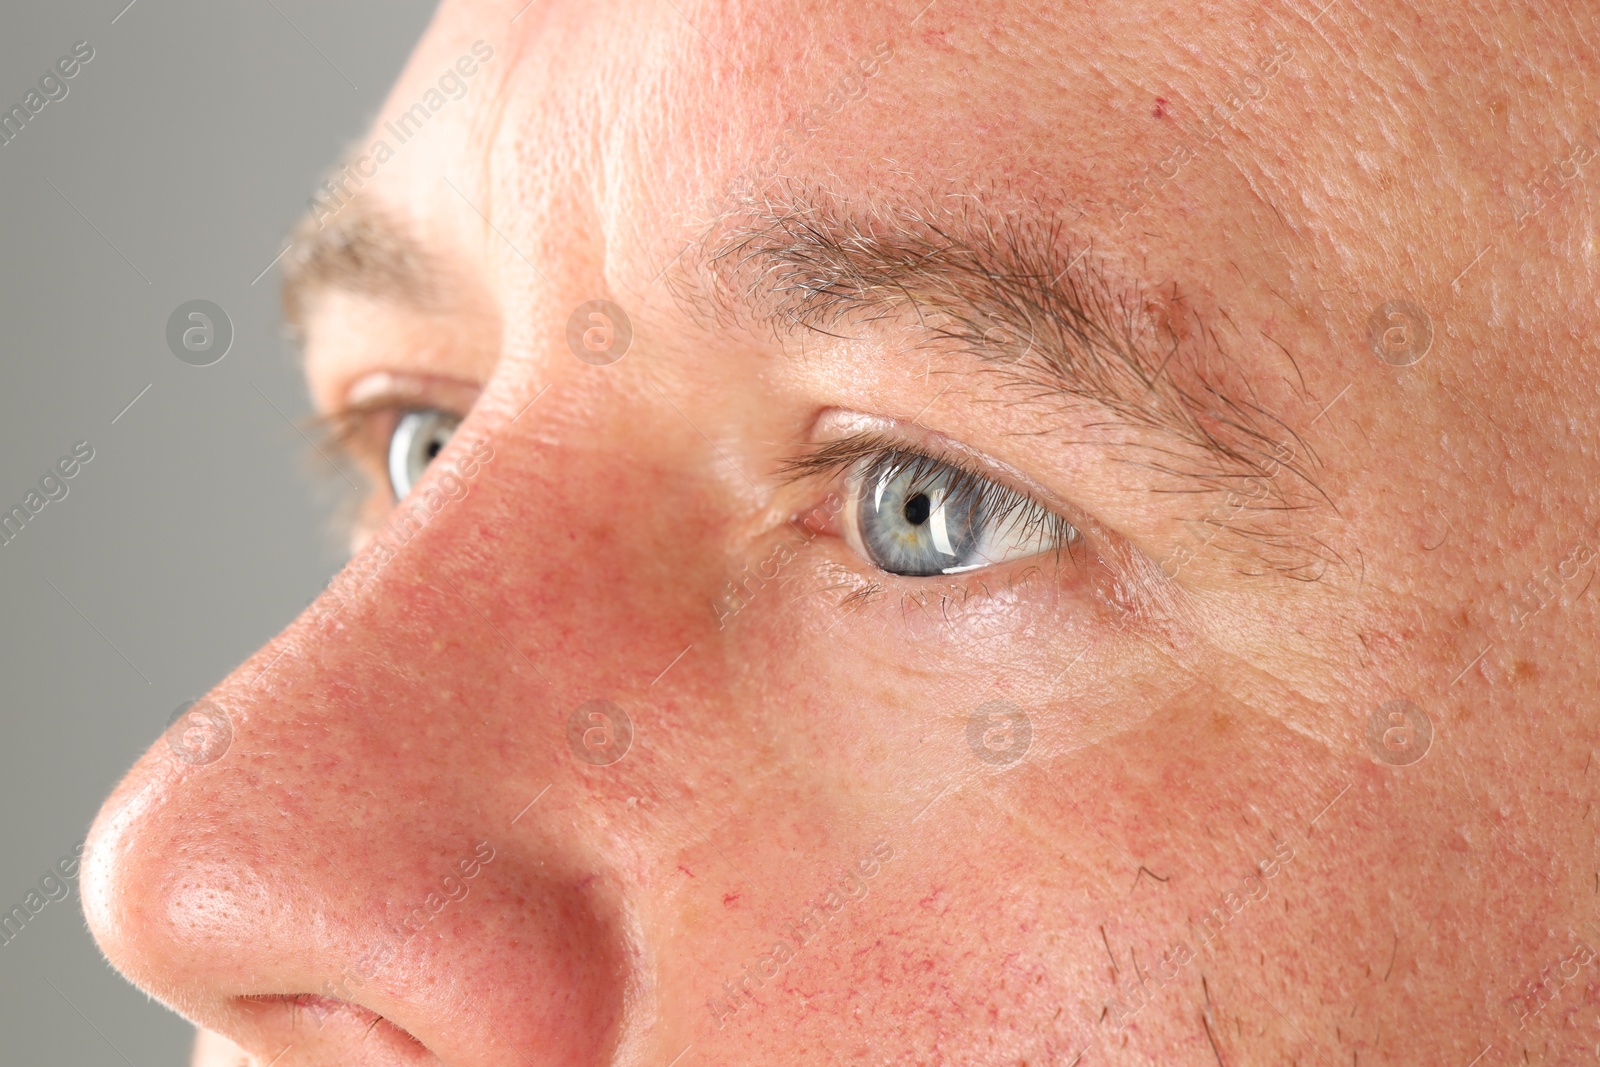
433 449
918 508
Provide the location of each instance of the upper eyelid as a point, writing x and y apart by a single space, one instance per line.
833 457
830 458
351 426
414 391
341 427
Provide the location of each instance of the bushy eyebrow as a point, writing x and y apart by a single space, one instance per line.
358 250
1012 292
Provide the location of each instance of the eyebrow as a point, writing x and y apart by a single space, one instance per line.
360 249
1010 291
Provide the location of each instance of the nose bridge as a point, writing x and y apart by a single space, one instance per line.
517 566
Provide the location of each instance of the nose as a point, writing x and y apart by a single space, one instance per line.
366 844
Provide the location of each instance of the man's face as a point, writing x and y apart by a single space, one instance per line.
975 535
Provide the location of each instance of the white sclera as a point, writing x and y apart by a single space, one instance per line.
418 437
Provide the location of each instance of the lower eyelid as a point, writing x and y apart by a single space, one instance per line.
821 575
842 584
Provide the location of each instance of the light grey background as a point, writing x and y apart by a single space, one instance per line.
190 142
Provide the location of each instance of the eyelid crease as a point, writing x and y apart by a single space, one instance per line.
361 408
817 459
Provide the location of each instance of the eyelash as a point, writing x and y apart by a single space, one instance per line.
970 484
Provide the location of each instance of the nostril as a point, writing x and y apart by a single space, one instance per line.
293 1014
317 1009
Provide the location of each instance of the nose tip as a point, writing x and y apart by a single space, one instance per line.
179 869
116 901
280 886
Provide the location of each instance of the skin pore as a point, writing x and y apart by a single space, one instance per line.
1123 260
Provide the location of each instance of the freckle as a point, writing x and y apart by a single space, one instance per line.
1220 722
1524 671
1160 110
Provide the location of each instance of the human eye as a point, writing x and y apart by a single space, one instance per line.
390 427
418 437
390 437
915 514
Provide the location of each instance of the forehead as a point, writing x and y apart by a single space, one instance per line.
634 122
1224 149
